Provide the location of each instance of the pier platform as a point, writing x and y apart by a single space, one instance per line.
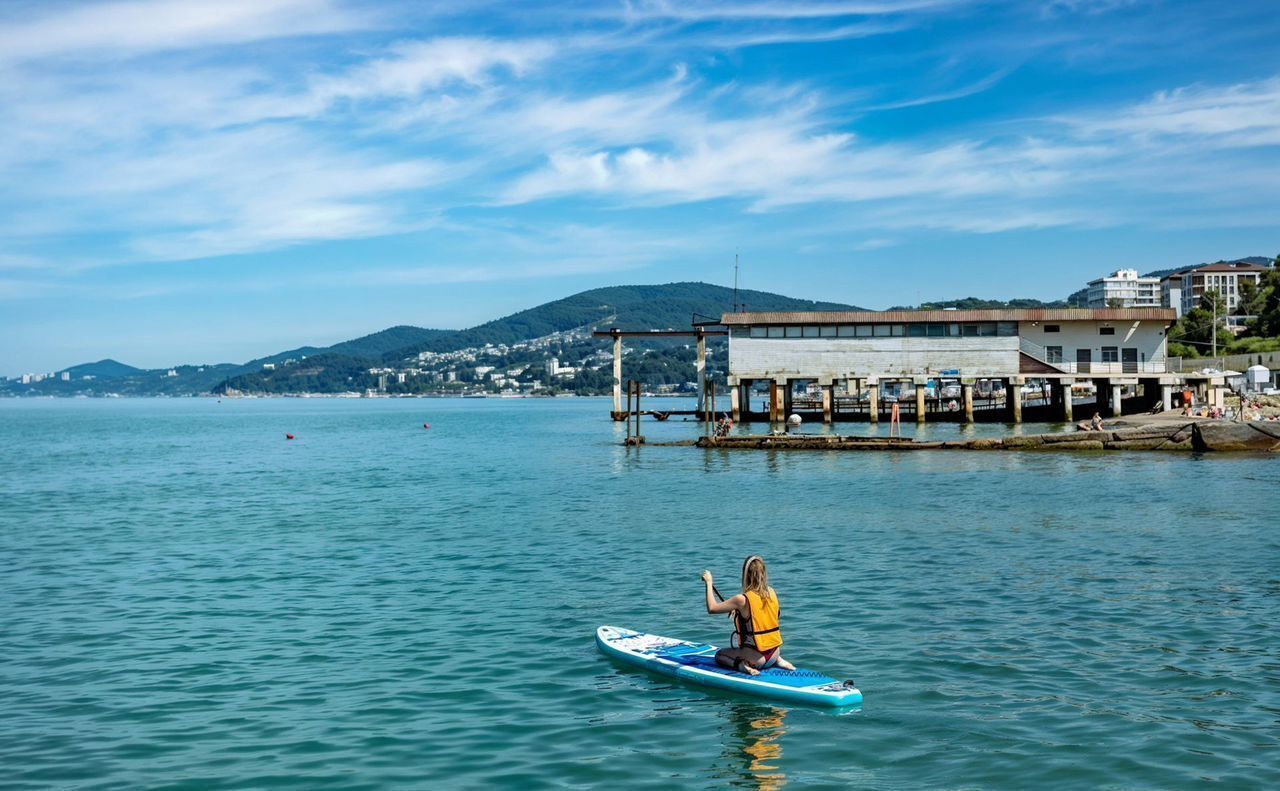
1188 436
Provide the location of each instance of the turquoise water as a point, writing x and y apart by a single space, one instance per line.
191 601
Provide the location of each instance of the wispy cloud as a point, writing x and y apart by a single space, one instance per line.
875 244
143 26
705 11
411 67
979 86
1246 114
176 155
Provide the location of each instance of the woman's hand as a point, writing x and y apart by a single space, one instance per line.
706 576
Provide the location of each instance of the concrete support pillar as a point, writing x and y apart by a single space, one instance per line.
920 403
1068 400
735 403
617 373
1219 396
1102 396
701 365
1013 400
873 399
1117 400
966 390
1166 397
828 401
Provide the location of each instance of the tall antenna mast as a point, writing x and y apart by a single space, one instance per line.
735 282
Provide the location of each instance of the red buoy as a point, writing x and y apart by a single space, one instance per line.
288 436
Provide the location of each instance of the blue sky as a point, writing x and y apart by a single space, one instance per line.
211 180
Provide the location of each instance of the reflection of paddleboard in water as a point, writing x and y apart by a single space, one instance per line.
696 663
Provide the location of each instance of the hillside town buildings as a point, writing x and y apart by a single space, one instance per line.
1180 291
1124 288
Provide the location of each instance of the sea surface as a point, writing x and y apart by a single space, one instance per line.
190 600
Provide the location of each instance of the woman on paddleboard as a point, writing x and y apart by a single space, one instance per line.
757 631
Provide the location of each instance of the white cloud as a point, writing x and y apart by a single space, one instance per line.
875 244
704 11
142 26
14 261
186 156
1246 114
414 66
790 155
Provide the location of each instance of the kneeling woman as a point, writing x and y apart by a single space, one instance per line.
757 633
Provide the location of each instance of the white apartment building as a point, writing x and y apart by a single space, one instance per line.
1124 288
1224 278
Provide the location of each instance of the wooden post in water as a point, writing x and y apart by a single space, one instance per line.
920 403
966 394
617 375
1068 400
705 406
702 369
711 407
619 413
639 438
873 398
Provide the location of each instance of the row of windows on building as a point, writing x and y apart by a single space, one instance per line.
1101 330
1110 354
980 329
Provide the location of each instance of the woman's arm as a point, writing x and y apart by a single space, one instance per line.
728 605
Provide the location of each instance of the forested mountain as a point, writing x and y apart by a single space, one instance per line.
671 305
524 343
973 303
102 369
371 346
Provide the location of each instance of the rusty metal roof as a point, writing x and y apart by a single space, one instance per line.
914 316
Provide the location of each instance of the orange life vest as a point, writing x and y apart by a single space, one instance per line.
761 629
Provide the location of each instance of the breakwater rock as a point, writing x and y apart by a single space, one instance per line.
1201 436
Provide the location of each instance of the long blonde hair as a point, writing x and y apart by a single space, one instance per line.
755 577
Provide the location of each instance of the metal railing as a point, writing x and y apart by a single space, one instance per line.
1038 352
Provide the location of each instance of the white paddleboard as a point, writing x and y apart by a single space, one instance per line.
696 663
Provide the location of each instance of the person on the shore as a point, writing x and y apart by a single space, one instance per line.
757 613
723 426
1096 423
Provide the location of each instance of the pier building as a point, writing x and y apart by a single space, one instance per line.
953 364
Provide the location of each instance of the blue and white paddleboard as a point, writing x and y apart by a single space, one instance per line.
696 663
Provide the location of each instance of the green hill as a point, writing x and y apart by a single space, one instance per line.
974 303
319 373
103 369
371 346
671 305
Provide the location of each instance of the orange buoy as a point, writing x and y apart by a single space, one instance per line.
288 436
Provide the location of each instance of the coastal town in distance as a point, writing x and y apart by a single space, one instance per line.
1223 321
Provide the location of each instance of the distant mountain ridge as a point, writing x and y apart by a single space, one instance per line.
102 369
371 346
631 307
973 303
670 305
